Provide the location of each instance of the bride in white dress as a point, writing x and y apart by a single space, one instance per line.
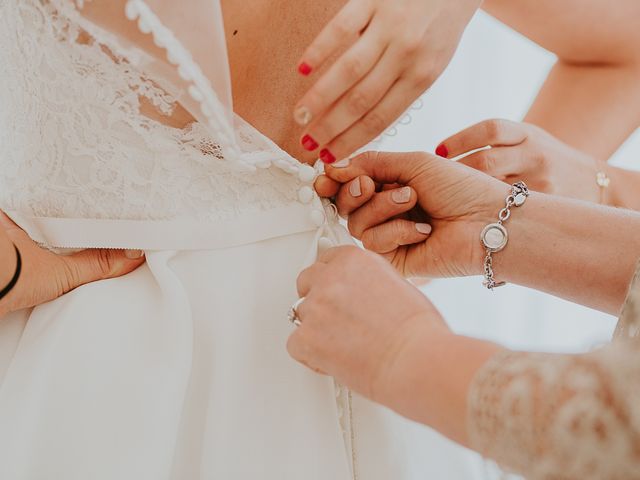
178 370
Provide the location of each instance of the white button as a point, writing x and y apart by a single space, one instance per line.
206 110
143 25
307 173
185 72
305 194
131 11
196 94
325 243
318 217
159 41
264 163
283 164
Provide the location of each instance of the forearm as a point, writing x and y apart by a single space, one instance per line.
591 99
583 253
594 108
436 369
577 31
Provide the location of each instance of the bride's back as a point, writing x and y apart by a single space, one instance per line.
265 40
85 134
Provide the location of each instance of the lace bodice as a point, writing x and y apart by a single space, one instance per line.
564 417
74 142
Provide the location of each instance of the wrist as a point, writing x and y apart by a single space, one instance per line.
433 378
623 188
494 235
8 260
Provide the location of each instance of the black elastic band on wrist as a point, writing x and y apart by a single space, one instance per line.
4 292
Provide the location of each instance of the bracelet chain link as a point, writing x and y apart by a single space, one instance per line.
494 237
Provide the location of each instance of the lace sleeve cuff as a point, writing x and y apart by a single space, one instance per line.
560 416
629 325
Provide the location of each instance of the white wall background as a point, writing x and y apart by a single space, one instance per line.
495 74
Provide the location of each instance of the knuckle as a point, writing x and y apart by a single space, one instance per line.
105 262
370 240
349 252
544 185
341 27
353 68
315 98
542 162
69 278
358 103
423 78
374 123
411 45
400 233
493 129
486 163
350 255
329 293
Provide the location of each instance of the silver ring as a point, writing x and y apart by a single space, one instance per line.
293 313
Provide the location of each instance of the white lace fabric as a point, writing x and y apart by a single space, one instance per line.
550 416
74 143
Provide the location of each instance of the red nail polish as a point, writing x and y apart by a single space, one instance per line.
442 151
327 157
304 69
309 143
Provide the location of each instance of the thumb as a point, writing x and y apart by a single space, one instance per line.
93 265
382 167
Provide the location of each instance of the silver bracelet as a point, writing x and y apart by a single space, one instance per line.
494 236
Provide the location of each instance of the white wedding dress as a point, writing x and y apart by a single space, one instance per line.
178 370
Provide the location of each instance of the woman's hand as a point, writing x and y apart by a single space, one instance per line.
46 276
416 189
394 52
358 318
520 151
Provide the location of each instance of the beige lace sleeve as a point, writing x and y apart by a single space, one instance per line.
550 416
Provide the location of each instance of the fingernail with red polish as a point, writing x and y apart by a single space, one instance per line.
309 143
442 151
326 156
304 69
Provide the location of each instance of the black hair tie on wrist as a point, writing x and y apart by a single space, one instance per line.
16 276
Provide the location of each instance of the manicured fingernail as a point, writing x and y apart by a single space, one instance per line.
304 69
401 196
327 157
309 143
355 189
344 163
302 116
423 228
134 254
442 151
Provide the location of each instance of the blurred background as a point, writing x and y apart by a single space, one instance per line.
495 74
